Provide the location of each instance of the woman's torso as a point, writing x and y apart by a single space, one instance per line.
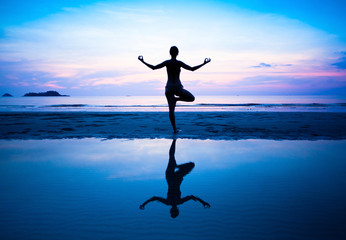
173 73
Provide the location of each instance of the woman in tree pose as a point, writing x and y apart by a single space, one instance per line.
174 89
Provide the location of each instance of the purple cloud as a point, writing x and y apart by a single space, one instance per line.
267 65
341 64
262 65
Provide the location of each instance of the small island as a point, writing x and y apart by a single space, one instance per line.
7 95
45 94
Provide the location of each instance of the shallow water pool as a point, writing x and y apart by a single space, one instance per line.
93 189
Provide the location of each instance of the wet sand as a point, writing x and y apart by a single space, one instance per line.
193 125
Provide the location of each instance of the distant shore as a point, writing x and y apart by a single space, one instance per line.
194 125
45 94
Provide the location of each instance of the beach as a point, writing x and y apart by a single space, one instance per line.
193 125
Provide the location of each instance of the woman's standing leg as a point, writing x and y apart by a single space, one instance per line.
172 100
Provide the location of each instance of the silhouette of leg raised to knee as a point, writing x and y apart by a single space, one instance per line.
185 96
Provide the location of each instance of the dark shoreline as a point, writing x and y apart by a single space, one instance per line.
194 125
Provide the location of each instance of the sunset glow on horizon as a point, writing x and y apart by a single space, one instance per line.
92 49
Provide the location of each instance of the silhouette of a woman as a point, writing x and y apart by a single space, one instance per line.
174 180
174 89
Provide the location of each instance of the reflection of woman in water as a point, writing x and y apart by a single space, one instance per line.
174 180
174 89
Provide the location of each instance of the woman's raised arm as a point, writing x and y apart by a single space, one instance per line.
161 65
187 67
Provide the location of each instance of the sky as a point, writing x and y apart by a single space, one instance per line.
90 47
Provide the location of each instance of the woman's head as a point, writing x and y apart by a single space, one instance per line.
174 51
174 211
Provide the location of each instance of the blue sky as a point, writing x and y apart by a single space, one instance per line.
91 47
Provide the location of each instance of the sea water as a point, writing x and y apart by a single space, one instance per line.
92 189
159 103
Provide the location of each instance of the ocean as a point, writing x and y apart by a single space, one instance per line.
159 104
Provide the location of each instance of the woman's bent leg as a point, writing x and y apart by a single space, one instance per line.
185 96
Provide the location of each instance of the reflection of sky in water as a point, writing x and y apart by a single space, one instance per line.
148 158
92 189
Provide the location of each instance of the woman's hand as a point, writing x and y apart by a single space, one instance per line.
207 60
140 58
206 205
